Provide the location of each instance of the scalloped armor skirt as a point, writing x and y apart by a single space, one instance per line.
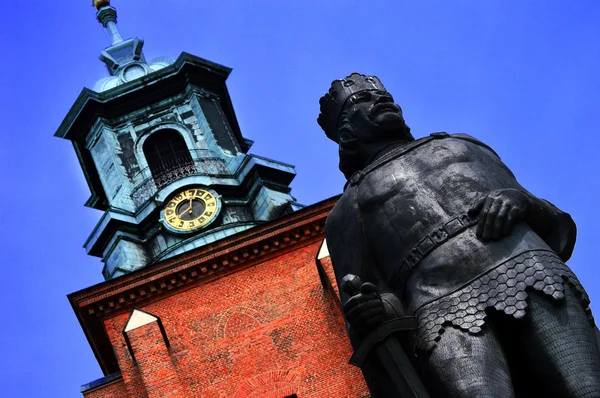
503 288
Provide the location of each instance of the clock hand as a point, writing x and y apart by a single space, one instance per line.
179 215
190 207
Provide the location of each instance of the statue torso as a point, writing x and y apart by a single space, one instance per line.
404 200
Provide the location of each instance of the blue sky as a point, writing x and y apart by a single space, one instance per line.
523 76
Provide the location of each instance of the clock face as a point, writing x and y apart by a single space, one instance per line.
191 209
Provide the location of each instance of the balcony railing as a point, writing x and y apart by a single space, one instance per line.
180 164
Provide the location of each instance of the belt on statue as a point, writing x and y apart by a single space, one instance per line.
433 240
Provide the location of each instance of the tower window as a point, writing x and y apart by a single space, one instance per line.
168 157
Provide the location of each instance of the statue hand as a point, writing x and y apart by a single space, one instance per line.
499 211
365 310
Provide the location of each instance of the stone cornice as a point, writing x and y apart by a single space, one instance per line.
210 262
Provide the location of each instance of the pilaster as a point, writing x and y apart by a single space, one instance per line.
148 345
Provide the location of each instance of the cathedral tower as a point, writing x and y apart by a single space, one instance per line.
164 157
218 284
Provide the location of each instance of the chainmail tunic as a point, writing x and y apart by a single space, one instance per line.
502 288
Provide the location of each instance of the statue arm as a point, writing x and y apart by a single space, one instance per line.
350 254
553 225
386 368
556 227
343 234
499 210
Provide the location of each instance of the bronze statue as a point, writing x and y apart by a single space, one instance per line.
442 231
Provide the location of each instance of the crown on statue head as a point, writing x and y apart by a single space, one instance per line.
333 102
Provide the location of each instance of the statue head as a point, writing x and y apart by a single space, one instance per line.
358 109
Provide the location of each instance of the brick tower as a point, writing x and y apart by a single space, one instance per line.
218 284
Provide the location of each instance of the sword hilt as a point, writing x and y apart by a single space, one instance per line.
351 284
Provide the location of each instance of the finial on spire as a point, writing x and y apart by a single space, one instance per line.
107 16
100 3
124 59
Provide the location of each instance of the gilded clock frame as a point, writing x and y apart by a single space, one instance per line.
174 224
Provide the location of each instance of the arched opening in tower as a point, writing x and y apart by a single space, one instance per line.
168 157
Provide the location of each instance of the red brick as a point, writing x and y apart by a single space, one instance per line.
270 330
262 327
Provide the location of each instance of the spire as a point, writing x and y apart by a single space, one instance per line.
124 58
107 16
121 53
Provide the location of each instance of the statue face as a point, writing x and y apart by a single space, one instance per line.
374 115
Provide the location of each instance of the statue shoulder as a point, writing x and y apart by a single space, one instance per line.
470 138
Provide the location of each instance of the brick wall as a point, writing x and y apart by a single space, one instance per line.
269 330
